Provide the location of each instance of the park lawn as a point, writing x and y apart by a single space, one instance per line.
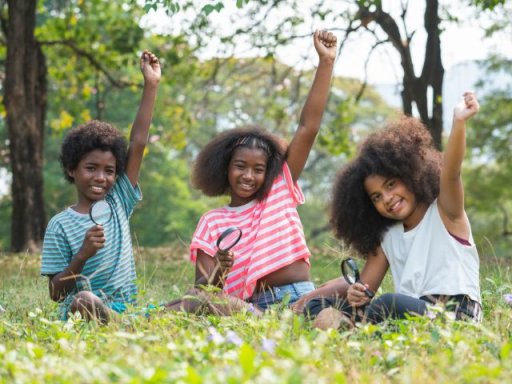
35 347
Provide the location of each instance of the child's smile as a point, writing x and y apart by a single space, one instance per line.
392 199
246 174
94 176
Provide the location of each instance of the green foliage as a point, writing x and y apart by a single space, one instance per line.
277 348
487 4
168 211
170 6
487 180
92 47
209 8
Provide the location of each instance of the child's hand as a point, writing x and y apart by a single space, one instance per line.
93 241
299 305
467 108
356 295
226 260
150 67
325 44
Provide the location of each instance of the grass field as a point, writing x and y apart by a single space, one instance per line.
35 347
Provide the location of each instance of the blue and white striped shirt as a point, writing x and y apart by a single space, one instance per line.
110 274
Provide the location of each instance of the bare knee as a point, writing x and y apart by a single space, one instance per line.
90 306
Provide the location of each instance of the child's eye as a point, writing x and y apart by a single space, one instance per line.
260 170
375 198
391 183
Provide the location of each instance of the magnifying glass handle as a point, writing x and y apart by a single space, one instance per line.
369 293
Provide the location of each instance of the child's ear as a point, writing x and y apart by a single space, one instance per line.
71 173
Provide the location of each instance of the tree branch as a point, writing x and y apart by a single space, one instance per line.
92 60
366 62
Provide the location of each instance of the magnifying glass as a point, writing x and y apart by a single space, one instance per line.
101 212
229 238
351 274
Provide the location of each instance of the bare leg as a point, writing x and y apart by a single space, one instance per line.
199 301
330 318
91 307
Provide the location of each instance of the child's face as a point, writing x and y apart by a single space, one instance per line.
392 199
94 176
246 174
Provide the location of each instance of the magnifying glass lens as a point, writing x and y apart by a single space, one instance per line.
348 272
101 212
229 238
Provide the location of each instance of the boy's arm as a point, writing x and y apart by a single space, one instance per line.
62 283
312 112
150 68
451 194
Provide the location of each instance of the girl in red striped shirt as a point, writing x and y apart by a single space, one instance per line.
259 173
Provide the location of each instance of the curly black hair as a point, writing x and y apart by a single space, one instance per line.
403 149
88 137
210 171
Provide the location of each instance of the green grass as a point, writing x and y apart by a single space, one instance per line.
279 348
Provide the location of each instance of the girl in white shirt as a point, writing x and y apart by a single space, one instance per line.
400 203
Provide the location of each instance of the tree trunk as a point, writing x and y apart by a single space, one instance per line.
25 104
416 90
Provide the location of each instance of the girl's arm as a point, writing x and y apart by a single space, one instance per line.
311 116
213 270
372 275
333 288
451 194
150 68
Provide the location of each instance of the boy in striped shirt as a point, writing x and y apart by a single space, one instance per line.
90 266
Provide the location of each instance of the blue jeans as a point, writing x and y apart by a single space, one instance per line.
273 295
397 306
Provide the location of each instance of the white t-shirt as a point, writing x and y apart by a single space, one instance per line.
428 260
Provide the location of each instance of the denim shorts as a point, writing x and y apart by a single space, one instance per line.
288 293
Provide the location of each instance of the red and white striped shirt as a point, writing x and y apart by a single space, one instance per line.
272 235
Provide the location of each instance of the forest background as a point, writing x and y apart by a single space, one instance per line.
87 57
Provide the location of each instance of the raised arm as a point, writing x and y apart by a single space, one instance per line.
451 194
150 68
313 110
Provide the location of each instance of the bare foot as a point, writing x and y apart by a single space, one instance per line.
331 318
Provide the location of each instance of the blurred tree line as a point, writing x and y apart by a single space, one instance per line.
91 51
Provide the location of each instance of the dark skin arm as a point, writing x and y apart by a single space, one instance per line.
64 282
150 68
303 139
372 275
333 288
213 270
313 110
